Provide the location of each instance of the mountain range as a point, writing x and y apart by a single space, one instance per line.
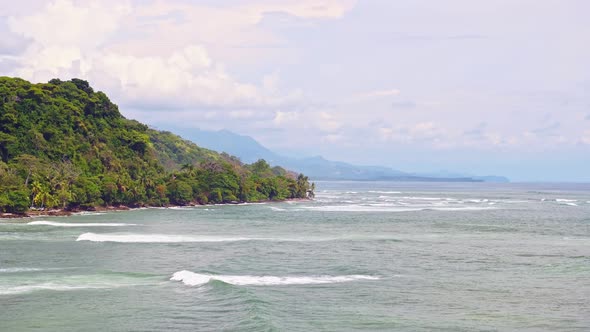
318 168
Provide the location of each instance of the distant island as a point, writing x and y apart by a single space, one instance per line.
318 168
65 146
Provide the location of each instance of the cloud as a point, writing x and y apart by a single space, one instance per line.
62 23
378 93
284 118
11 43
550 130
476 133
403 104
117 46
421 132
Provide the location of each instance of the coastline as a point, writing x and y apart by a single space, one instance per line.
67 213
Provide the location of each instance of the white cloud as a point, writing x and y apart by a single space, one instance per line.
378 94
285 118
110 44
62 23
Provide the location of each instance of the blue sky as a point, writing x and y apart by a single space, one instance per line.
483 87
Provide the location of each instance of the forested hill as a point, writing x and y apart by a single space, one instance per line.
63 145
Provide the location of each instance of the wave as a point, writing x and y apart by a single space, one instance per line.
390 208
62 224
165 238
90 213
565 200
277 209
19 269
420 198
155 238
77 282
194 279
45 286
384 192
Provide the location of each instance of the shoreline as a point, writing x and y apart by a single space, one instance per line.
67 213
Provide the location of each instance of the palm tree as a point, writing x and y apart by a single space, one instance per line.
188 168
36 189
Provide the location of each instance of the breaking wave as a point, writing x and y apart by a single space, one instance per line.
193 279
385 208
19 269
44 286
63 224
155 238
76 282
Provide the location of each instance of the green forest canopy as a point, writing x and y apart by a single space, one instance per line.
63 145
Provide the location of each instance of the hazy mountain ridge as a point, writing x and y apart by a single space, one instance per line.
248 150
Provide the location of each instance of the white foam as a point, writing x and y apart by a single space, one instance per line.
89 213
571 204
194 279
72 282
384 192
483 200
392 208
155 238
45 286
19 269
565 200
62 224
419 198
276 209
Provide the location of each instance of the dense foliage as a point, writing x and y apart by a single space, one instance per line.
63 145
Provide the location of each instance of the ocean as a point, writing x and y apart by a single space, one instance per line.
372 256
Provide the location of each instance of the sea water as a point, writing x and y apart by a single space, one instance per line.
361 256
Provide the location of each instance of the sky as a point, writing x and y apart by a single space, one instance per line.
480 87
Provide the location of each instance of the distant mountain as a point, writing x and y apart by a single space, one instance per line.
249 150
244 147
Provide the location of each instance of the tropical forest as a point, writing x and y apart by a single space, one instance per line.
65 146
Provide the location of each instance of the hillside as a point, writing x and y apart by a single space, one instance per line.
64 145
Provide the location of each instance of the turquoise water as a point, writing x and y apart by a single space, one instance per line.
363 256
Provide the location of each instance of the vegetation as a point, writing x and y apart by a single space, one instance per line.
63 145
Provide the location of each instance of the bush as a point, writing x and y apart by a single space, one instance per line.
18 201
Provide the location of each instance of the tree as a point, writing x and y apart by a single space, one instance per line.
180 192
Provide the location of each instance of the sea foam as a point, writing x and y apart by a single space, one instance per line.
19 269
392 208
73 282
154 238
62 224
44 286
194 279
